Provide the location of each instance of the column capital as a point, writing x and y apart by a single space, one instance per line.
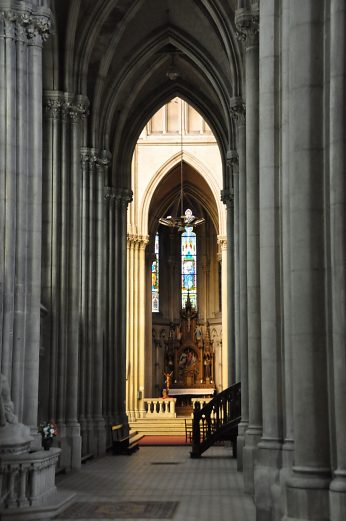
222 242
140 240
238 109
109 194
52 103
19 22
247 24
104 158
79 108
124 196
89 158
232 160
227 197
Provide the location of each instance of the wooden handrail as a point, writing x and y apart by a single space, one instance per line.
217 420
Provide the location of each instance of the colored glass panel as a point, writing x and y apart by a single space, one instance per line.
188 266
155 278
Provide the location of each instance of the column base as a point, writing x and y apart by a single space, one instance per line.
308 495
267 479
75 443
100 435
286 472
240 444
337 496
252 438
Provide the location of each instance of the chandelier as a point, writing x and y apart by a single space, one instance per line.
185 219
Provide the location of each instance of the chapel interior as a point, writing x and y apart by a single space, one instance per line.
172 239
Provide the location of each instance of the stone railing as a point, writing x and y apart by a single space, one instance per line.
27 485
159 407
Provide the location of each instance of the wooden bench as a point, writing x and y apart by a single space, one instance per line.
123 443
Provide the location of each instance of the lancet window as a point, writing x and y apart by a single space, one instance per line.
188 267
155 300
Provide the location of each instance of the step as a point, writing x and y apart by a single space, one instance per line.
161 426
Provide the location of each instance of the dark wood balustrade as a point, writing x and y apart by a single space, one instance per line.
217 421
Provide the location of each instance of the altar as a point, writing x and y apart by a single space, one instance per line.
189 361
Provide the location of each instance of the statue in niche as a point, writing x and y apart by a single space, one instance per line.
207 366
198 334
6 405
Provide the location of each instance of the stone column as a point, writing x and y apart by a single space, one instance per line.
51 238
109 366
269 452
307 493
227 197
247 24
142 308
91 320
77 112
222 241
288 446
237 368
338 247
131 326
100 331
136 325
238 114
122 198
8 192
85 180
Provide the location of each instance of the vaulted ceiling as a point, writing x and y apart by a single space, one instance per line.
118 52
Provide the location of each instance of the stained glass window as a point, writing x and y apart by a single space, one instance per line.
155 278
188 266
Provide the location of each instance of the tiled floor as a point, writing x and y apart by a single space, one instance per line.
206 489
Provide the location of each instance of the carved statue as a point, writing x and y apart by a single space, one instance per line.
198 334
6 405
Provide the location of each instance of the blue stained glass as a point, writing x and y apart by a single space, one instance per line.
188 266
155 278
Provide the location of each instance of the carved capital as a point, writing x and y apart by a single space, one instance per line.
25 26
104 158
124 197
8 24
247 24
89 159
53 103
79 108
238 109
109 194
227 196
233 161
222 242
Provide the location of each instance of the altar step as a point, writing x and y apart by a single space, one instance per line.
161 426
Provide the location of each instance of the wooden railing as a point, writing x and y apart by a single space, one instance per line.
217 420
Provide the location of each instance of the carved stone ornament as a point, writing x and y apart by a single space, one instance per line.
247 24
109 193
238 109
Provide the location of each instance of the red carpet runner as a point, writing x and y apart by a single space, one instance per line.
163 440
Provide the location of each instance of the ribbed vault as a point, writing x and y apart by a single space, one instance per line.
117 53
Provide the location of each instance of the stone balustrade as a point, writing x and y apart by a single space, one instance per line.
160 407
27 485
